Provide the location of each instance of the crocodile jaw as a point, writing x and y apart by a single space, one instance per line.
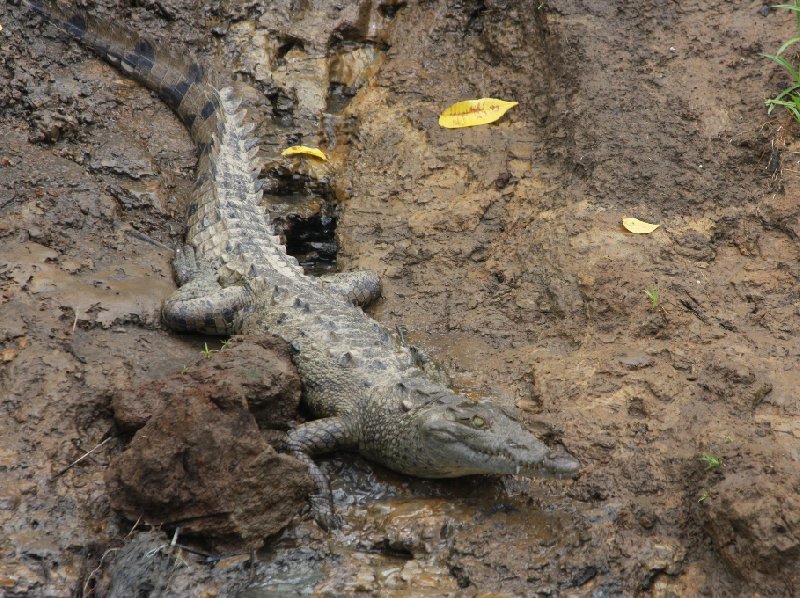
466 437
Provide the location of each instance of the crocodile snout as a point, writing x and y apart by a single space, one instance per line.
562 464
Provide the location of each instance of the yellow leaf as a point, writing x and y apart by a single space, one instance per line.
473 112
304 149
639 227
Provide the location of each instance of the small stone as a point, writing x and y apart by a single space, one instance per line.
635 360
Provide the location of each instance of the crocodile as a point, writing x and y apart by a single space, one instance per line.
365 388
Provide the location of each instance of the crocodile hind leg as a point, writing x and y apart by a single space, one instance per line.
315 438
360 287
201 304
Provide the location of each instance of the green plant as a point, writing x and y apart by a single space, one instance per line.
206 351
652 294
711 461
789 98
704 496
225 344
727 439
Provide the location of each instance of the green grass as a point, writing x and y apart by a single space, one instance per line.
704 496
789 98
652 294
206 352
711 462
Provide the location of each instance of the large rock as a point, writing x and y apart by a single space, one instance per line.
200 461
755 522
256 372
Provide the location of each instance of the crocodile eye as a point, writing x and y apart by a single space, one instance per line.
478 422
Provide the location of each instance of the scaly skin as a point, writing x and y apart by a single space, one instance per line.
369 392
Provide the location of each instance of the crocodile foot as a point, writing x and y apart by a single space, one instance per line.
201 304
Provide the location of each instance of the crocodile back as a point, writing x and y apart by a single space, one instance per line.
226 223
184 85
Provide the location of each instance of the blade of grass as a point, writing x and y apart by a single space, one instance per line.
787 44
785 64
792 104
786 92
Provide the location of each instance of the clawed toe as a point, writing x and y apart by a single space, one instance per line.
186 264
324 515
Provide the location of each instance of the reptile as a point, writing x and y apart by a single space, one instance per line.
365 388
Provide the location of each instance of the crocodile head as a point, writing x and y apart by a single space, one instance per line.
454 436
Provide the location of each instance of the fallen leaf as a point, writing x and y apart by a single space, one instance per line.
8 354
304 149
640 227
473 112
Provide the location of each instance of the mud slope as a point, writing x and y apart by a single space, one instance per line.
502 255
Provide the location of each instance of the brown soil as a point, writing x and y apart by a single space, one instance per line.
502 254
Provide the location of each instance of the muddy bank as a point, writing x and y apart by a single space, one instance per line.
501 253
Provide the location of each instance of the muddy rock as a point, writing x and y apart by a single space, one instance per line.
147 564
256 374
754 520
420 528
199 460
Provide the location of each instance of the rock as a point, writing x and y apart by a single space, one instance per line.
200 462
147 565
635 360
113 156
49 127
417 527
666 556
256 372
755 523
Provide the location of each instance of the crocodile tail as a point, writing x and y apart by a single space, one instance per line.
183 85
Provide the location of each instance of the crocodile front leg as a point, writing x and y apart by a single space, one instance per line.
315 438
201 304
360 287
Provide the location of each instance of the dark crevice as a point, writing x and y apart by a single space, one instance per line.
303 211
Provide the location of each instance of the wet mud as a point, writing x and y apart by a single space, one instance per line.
501 253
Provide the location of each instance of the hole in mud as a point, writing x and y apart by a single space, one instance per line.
476 20
303 212
389 10
313 242
289 44
393 551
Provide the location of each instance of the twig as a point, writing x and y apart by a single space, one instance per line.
209 557
133 529
143 237
79 459
96 570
